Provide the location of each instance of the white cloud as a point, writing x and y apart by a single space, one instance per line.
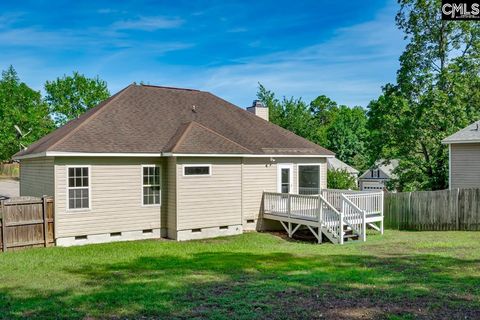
33 37
350 67
237 30
148 23
107 10
9 18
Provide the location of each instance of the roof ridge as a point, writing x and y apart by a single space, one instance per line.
167 87
91 116
189 127
182 136
222 136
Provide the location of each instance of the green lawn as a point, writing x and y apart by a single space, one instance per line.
402 275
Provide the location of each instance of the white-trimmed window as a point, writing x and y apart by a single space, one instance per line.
78 186
150 185
197 170
309 178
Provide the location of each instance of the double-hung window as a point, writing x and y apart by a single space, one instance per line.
151 185
78 187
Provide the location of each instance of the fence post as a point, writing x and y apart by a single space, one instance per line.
383 209
457 222
4 227
45 220
409 213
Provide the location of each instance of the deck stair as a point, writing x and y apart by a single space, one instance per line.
340 215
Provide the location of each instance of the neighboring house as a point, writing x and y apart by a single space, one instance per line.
336 164
154 162
377 176
464 157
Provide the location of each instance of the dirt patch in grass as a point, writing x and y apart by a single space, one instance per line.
322 302
294 304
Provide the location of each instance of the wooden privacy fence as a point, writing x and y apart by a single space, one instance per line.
26 222
457 209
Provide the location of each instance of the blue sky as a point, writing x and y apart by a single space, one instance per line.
345 50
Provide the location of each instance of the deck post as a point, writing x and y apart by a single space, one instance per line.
342 232
289 203
364 226
320 209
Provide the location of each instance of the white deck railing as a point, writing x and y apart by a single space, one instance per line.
369 201
331 209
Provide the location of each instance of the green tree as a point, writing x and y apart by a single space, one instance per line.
24 107
338 128
324 111
340 179
347 136
436 94
70 96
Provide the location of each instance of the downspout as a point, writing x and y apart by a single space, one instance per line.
241 191
449 166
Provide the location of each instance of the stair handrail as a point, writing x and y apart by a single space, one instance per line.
360 211
329 204
340 218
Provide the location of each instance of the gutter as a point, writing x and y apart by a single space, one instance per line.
162 154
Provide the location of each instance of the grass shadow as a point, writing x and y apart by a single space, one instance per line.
245 285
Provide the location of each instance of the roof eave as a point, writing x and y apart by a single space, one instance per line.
460 141
162 154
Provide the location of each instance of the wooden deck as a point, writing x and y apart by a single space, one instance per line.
340 215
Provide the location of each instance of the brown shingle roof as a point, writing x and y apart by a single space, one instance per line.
150 119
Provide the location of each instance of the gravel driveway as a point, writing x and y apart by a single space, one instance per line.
9 188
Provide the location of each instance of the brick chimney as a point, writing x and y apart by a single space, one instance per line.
258 109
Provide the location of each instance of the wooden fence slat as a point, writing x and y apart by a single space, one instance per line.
4 229
457 209
27 222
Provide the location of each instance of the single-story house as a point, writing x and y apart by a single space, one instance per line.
377 176
337 164
153 162
464 157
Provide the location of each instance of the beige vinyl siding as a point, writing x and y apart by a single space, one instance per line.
465 165
116 197
37 177
209 201
258 175
171 197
